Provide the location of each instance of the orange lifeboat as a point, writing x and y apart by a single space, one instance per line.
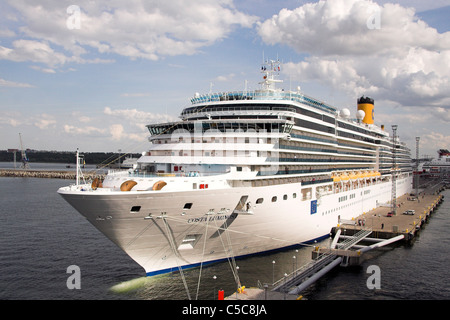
127 185
158 185
97 183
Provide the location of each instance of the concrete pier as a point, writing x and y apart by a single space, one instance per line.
385 226
369 231
47 174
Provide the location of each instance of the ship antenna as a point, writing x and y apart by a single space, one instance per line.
270 69
78 168
79 173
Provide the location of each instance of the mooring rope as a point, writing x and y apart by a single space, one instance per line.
172 244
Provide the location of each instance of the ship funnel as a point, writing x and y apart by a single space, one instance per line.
366 104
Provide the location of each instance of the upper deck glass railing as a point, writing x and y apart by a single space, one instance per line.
264 95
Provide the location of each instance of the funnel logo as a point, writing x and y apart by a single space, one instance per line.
313 206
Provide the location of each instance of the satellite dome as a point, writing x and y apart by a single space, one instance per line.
345 113
360 114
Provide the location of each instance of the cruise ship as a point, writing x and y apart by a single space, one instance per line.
439 167
243 173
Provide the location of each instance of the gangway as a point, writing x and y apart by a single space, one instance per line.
303 273
351 241
323 263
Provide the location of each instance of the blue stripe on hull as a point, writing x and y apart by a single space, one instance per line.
195 265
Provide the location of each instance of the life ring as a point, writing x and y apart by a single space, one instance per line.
158 185
127 185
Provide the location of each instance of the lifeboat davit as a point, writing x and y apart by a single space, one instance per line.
127 185
158 185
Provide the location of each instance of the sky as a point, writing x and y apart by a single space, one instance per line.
92 74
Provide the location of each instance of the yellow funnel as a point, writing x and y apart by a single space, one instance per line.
367 105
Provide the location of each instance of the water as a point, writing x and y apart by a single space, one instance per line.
41 236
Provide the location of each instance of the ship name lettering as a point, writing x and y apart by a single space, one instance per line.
212 218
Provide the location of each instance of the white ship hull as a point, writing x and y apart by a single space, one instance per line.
173 237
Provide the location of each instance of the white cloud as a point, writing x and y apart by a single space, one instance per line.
12 84
116 131
9 118
44 121
136 116
31 50
134 29
76 115
442 114
435 139
224 78
404 61
44 70
7 33
135 95
87 131
124 125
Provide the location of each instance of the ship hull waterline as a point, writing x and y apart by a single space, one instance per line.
162 232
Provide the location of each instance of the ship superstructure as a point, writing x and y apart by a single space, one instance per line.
439 167
243 173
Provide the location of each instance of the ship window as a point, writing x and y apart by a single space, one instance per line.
187 205
274 199
294 195
285 197
135 209
260 200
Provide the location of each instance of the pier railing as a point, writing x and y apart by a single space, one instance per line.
264 95
303 272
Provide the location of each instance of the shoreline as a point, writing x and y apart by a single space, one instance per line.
48 174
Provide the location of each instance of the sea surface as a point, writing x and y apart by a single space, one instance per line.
42 236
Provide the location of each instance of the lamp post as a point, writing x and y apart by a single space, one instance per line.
285 276
273 272
417 167
294 264
394 170
214 295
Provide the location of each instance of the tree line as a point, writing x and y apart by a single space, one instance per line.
63 156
